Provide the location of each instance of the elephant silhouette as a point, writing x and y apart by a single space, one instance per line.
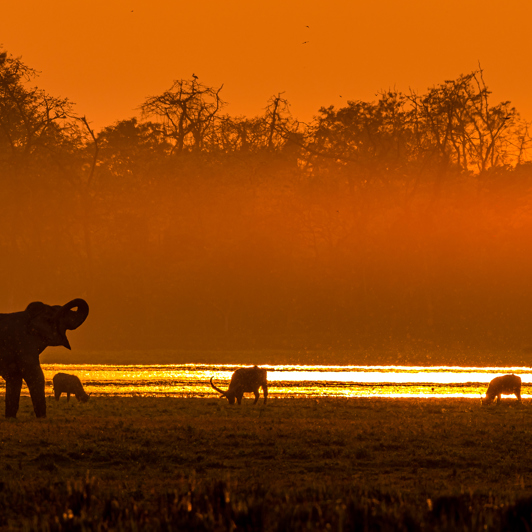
23 337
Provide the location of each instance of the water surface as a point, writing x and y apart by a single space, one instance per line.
192 380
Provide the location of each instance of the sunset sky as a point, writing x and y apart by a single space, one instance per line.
108 56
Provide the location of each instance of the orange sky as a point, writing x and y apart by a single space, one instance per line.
108 56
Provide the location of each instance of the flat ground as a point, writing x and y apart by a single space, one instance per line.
167 463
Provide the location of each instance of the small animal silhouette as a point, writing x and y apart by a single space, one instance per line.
506 384
65 383
245 380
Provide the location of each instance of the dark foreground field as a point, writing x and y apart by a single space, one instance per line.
303 464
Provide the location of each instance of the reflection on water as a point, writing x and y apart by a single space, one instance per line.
192 380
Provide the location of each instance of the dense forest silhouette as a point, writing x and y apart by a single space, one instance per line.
402 221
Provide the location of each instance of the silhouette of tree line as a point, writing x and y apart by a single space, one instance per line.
404 220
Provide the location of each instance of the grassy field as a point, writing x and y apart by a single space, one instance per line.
333 464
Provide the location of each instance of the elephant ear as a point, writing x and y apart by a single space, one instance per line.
35 308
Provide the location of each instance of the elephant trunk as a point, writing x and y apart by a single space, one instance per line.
72 319
224 394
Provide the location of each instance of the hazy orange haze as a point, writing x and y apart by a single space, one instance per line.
108 56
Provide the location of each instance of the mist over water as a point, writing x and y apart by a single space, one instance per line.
192 380
384 225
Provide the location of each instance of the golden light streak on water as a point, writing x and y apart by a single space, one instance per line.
192 380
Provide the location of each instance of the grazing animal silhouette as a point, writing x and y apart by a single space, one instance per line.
245 380
65 383
506 384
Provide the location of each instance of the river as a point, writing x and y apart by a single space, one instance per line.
192 380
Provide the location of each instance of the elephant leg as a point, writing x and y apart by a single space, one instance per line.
257 395
13 387
35 381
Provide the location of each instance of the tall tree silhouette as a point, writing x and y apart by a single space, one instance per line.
186 112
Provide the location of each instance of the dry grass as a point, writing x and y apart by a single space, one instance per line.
166 463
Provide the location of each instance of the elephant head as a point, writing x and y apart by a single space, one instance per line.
50 323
